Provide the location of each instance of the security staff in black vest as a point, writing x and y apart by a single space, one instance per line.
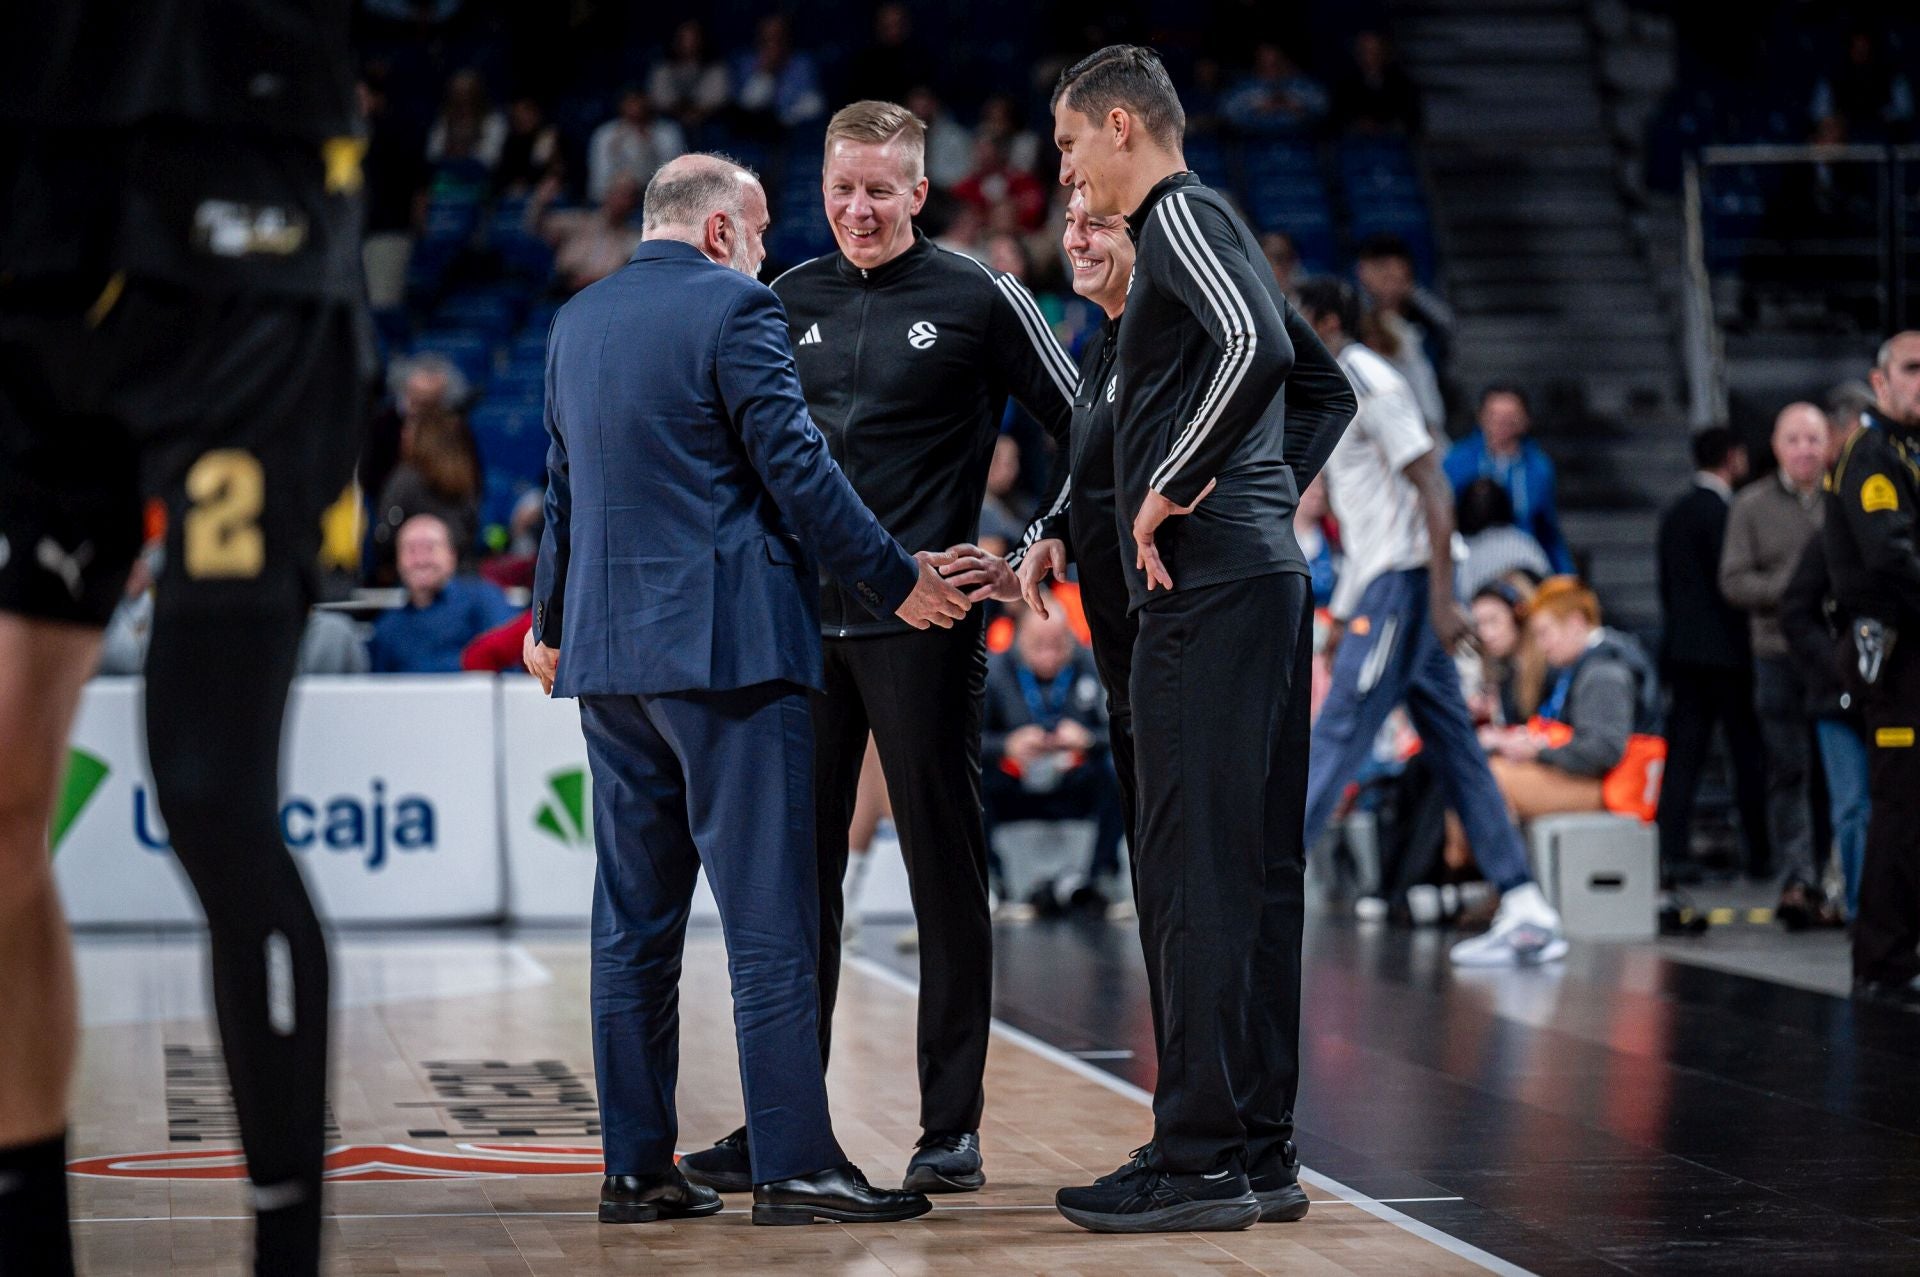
1873 554
907 354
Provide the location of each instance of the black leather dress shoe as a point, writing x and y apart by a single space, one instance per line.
841 1196
642 1199
725 1168
948 1163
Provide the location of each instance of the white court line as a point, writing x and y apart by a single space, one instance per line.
943 1208
1378 1209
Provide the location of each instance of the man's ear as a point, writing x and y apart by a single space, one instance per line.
714 240
1120 127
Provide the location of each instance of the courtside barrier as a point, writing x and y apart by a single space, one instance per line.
406 800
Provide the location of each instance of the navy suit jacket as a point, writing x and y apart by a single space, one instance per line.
688 491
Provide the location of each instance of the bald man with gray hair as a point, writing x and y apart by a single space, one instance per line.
689 501
1768 529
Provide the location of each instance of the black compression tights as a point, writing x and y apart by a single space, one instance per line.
216 696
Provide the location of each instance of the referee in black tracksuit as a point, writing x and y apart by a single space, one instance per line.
1209 456
907 354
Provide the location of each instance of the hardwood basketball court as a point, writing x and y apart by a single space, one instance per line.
467 1136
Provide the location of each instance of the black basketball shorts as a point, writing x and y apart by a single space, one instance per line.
238 413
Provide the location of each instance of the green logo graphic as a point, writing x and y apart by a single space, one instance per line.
564 815
85 774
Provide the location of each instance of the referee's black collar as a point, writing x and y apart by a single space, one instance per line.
1137 220
893 268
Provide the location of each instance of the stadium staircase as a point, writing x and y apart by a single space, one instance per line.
1558 277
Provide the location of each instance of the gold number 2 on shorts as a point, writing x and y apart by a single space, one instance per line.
222 534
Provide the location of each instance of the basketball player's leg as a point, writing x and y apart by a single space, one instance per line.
245 484
69 528
43 666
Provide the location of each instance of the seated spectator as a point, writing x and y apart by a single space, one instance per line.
589 244
396 194
689 84
468 129
1377 96
1483 514
1513 674
995 183
1006 511
1499 449
531 147
416 385
1310 518
499 650
1412 328
633 145
949 144
1000 123
1283 258
331 644
512 568
775 88
888 68
438 476
1277 99
1045 747
1604 692
443 612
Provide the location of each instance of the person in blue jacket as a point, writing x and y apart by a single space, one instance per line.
689 497
1500 450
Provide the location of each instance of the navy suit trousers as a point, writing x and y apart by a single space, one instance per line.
722 780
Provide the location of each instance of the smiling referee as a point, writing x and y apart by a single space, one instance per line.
907 355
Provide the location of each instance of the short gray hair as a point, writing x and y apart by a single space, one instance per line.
1885 357
682 194
1846 401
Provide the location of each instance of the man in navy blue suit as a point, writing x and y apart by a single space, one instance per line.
688 497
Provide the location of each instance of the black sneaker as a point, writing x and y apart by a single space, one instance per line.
948 1163
1138 1198
725 1168
1276 1186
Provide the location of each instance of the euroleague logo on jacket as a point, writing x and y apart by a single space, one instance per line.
371 827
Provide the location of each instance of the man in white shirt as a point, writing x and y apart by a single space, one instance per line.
634 144
1396 624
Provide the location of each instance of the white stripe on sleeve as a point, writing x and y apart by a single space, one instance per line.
1235 317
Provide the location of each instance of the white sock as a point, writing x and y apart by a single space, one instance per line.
1528 903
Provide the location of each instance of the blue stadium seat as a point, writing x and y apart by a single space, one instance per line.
519 383
471 352
1262 159
529 347
491 314
512 440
